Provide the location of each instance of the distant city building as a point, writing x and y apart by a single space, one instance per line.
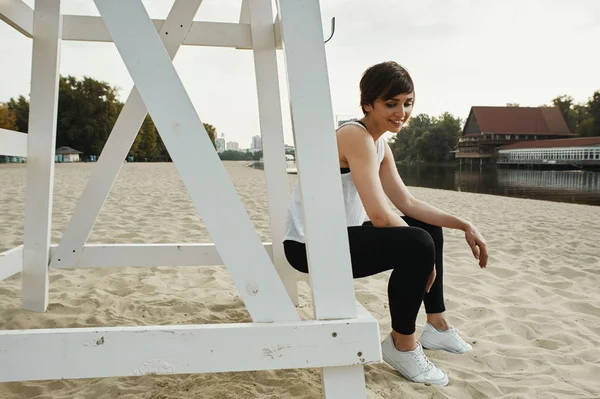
220 143
289 149
256 143
232 145
489 128
342 121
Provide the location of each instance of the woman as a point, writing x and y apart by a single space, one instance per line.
410 246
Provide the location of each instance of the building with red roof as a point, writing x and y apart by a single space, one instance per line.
489 128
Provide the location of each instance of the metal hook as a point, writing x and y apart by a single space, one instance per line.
332 29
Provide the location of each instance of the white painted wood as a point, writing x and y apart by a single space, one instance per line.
147 255
271 125
11 262
13 143
316 154
219 34
48 354
245 13
277 29
104 174
198 164
41 143
318 172
87 28
18 15
344 382
214 34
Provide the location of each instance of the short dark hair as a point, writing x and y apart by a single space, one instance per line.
384 81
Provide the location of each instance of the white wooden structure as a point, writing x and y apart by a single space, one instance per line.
342 337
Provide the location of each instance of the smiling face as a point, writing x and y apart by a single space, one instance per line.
386 96
390 115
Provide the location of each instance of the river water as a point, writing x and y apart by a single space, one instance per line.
573 186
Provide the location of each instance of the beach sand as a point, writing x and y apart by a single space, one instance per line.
533 316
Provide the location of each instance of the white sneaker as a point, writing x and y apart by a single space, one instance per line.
448 340
413 365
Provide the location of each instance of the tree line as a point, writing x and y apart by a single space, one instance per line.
87 112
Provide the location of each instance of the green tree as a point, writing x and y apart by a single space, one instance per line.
427 139
7 118
232 155
87 112
405 145
145 146
212 133
566 106
594 114
20 108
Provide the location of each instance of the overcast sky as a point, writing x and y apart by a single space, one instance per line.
460 53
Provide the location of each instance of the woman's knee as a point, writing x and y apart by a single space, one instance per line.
424 249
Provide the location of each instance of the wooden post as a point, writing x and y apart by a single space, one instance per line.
41 142
320 183
271 124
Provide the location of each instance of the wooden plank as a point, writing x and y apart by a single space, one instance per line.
41 143
319 182
13 143
245 12
214 34
147 255
49 354
219 34
344 382
316 153
18 15
117 146
197 162
11 262
271 126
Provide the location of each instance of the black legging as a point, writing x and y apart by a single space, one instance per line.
410 252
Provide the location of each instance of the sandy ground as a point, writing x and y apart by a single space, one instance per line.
533 316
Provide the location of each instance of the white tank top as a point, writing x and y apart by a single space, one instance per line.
355 211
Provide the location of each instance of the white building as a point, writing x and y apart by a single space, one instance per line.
232 145
256 143
220 143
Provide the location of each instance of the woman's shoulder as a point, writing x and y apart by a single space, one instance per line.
352 132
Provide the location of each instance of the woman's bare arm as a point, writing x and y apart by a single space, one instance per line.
357 148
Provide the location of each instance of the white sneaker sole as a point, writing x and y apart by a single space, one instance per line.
430 346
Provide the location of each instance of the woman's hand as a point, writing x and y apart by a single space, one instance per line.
477 244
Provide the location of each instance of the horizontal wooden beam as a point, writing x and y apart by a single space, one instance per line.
53 354
215 34
11 262
148 255
18 15
13 143
92 29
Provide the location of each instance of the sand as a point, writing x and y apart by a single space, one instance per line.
533 316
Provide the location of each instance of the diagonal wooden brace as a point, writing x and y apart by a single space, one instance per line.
117 146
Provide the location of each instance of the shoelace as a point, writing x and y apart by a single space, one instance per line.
422 361
458 338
